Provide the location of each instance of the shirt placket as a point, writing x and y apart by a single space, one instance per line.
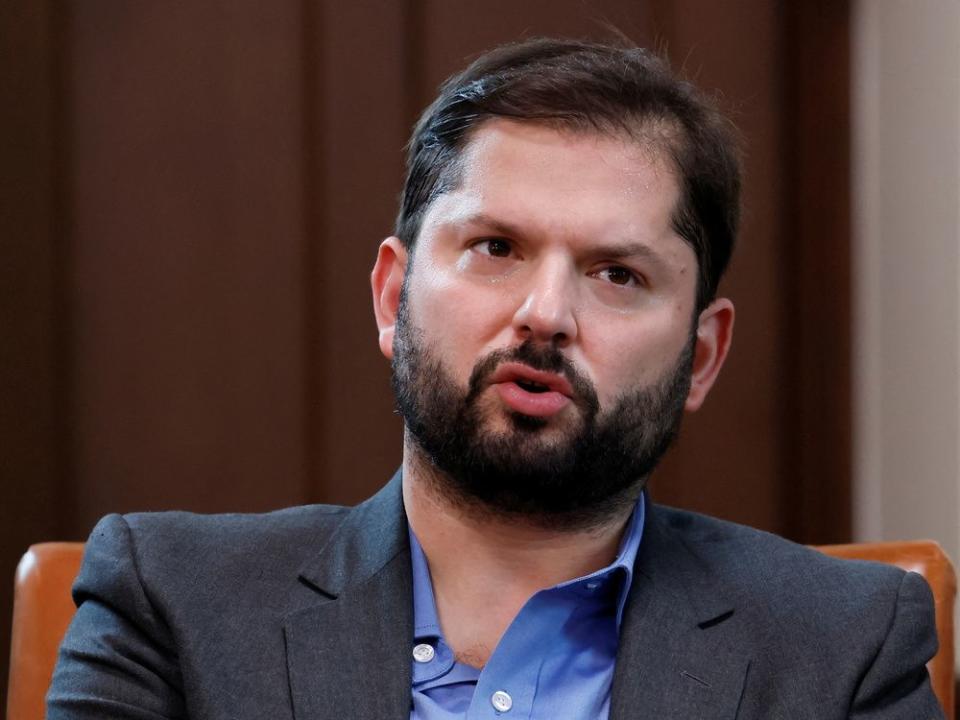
507 686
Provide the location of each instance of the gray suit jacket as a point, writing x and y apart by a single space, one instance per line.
306 613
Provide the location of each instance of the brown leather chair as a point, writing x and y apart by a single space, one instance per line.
928 559
42 611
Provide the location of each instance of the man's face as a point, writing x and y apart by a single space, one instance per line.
545 341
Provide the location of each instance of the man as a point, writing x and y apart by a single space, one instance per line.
549 306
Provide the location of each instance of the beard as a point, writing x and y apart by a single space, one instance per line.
560 473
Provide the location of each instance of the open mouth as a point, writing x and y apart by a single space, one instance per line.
529 380
530 397
531 386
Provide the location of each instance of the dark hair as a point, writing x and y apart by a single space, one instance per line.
586 86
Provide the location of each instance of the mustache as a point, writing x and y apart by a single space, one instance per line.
545 358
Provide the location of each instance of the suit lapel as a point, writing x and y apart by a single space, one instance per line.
348 655
678 657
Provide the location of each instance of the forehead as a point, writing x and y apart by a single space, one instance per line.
561 181
618 149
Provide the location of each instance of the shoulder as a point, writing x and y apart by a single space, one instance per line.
291 528
180 552
787 579
185 534
742 551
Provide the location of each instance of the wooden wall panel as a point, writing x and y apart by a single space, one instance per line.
818 270
450 33
359 127
30 306
187 235
729 460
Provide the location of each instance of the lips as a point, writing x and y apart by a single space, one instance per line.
531 392
536 381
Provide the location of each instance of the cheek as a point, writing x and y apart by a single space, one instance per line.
462 322
625 356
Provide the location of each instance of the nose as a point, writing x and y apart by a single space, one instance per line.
547 310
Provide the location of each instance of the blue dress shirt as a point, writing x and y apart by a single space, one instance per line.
555 660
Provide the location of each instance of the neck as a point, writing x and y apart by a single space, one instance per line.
485 566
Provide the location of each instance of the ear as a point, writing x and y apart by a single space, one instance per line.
714 335
386 280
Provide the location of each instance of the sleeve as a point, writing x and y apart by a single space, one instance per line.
118 659
896 686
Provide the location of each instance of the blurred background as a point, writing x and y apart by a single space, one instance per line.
192 195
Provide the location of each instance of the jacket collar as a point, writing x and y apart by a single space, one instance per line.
349 654
370 537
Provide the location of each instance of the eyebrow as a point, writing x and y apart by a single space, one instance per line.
501 226
618 251
628 250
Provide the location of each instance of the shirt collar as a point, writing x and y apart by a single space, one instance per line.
425 620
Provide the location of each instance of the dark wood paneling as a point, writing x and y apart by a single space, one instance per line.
729 458
360 130
31 427
817 271
187 236
453 32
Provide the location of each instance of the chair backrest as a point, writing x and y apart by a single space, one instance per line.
42 610
926 558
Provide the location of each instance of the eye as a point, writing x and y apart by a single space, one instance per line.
494 247
619 275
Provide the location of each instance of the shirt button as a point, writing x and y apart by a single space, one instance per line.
423 653
501 701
